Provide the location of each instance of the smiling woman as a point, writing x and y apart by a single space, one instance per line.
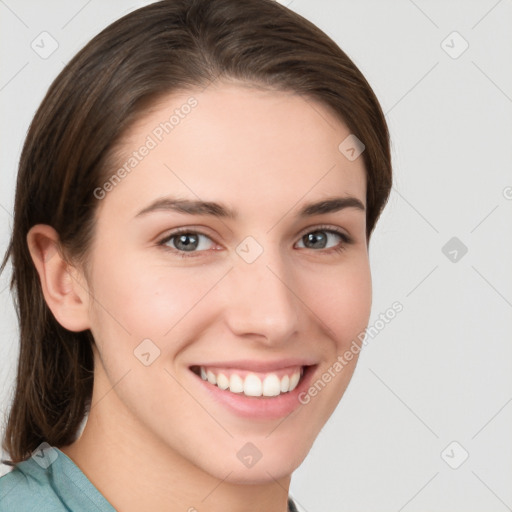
185 309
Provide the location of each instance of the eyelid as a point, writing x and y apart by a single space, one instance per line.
326 227
185 229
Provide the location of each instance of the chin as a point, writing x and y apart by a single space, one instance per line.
274 463
260 475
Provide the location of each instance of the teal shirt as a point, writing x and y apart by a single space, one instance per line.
50 481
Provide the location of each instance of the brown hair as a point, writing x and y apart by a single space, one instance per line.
167 46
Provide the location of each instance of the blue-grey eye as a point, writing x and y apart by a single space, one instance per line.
319 239
189 242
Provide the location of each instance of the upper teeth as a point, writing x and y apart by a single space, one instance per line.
252 385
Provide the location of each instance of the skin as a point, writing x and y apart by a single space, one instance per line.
153 440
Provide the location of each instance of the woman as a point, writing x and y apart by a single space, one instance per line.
195 200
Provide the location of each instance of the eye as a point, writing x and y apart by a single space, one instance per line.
323 239
187 241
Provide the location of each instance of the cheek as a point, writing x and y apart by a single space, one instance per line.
343 304
145 300
343 300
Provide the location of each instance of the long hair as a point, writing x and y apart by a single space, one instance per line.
168 46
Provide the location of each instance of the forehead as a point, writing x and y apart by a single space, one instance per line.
232 142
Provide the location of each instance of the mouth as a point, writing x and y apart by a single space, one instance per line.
255 390
254 384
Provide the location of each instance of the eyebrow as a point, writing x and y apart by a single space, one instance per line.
214 209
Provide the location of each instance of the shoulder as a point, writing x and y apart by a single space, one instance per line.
49 481
28 488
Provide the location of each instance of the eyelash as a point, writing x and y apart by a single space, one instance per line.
345 240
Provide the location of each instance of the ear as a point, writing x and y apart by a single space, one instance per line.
64 286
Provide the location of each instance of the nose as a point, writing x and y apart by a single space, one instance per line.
260 301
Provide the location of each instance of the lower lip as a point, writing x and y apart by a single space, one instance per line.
261 407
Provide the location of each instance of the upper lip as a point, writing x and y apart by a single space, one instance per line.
258 366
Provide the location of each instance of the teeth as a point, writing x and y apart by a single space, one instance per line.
211 377
271 385
222 381
236 384
294 380
252 385
285 384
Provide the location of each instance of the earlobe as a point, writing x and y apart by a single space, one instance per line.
63 286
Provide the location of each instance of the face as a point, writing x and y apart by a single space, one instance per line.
230 275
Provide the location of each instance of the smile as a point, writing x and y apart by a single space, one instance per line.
256 390
253 384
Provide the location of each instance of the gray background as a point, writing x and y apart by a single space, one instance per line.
441 371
